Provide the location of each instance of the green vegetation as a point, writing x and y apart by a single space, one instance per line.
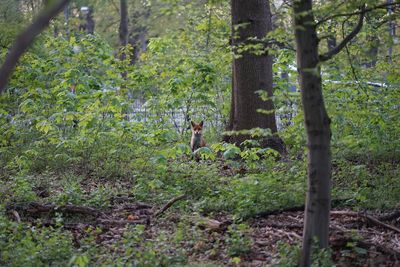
73 134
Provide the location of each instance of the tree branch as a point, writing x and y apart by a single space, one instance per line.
26 38
328 55
382 6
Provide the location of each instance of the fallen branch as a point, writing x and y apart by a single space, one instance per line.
367 217
100 222
288 234
265 214
129 199
391 216
169 204
342 242
379 223
345 212
36 207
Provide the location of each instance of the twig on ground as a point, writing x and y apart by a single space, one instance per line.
288 234
265 214
169 204
391 216
379 223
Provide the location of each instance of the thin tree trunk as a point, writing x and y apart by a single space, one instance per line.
372 53
90 22
331 41
66 18
138 34
392 29
317 123
26 38
123 27
252 72
87 23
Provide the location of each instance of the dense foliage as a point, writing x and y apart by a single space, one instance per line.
76 131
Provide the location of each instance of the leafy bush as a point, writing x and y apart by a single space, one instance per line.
238 241
23 245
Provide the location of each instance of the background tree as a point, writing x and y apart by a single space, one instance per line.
26 38
139 31
118 147
88 23
123 27
67 14
251 69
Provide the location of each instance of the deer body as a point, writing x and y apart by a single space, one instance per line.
197 140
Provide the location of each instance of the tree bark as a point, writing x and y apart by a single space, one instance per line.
373 50
26 38
138 33
88 23
66 18
123 27
331 42
251 21
392 28
317 124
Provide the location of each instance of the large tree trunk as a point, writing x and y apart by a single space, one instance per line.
317 123
251 21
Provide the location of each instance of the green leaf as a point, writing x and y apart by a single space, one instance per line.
231 153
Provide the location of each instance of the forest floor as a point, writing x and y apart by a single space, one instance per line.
356 238
187 213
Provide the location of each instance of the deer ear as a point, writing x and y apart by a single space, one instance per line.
201 123
192 123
